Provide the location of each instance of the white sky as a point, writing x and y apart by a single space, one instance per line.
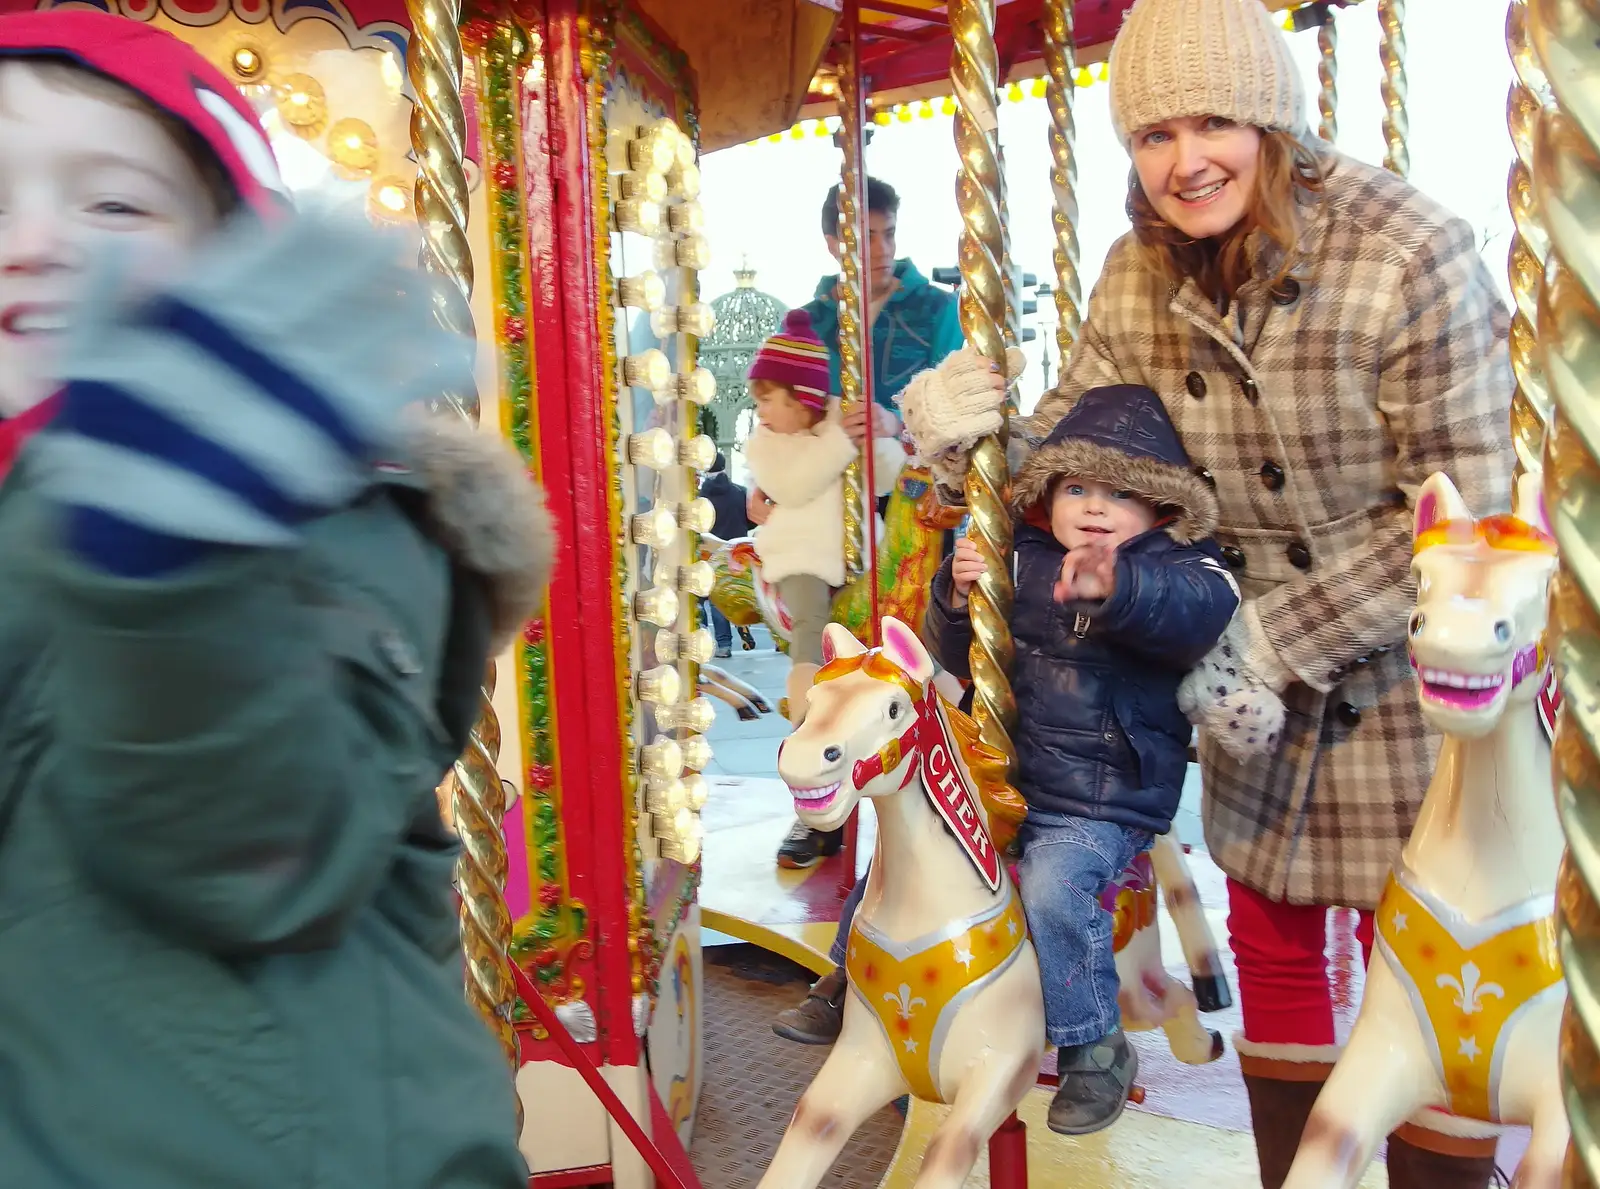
762 200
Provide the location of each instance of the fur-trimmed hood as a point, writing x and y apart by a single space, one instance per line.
1121 435
483 508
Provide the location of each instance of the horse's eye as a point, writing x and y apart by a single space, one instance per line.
894 709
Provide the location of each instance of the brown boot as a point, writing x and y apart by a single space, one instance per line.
1282 1091
818 1020
1422 1159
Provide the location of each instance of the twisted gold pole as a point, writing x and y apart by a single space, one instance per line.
852 332
1529 96
1565 35
1060 59
438 135
1328 78
974 67
1392 52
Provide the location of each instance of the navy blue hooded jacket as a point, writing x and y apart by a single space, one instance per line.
1099 733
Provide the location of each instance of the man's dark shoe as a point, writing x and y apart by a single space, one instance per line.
816 1021
1094 1082
805 847
746 639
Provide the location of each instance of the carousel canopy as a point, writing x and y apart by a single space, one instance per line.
753 60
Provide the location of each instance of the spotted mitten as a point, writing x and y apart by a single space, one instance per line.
1229 701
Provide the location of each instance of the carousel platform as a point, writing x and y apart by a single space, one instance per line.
1192 1118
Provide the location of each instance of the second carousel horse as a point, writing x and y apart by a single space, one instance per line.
945 1001
1464 994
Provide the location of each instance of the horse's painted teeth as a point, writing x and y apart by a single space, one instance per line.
1463 680
817 794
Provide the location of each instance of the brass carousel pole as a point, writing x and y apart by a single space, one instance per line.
1392 52
974 66
1566 171
1328 77
438 135
855 364
1530 244
1060 59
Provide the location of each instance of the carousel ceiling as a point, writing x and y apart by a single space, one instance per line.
753 60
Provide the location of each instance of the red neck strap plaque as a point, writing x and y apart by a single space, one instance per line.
926 742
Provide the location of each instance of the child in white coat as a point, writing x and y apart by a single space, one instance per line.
797 456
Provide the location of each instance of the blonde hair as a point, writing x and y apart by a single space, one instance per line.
62 75
1290 176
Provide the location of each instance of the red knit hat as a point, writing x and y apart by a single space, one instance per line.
168 73
795 358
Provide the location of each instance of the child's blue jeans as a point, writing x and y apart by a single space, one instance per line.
1067 864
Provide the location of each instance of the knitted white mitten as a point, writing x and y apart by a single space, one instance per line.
1229 701
949 409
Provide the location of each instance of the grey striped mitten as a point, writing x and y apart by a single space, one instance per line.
250 394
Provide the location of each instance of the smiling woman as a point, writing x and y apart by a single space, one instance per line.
1323 337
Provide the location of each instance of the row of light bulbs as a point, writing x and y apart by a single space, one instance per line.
656 198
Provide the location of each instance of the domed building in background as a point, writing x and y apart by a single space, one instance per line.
745 317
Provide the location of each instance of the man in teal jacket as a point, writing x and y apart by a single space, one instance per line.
914 326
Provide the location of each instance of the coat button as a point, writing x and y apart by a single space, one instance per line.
1234 556
1206 477
1286 293
1348 713
1251 392
1272 476
1299 555
1196 384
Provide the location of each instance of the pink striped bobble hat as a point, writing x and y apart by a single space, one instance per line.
795 358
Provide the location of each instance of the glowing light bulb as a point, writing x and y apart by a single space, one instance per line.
655 529
662 758
666 798
696 715
698 387
686 218
676 826
699 646
654 448
684 181
697 516
248 62
699 452
698 792
696 579
692 251
698 319
650 152
638 216
661 686
649 369
644 292
658 606
684 852
696 752
651 187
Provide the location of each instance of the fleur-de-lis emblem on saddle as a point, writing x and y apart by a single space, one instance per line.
1469 991
903 1000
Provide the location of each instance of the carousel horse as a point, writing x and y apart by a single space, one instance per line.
909 553
1148 996
745 698
1458 1023
945 1000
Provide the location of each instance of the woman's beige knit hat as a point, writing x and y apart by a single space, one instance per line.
1177 58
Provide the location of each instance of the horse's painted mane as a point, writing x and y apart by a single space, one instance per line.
1003 804
1001 801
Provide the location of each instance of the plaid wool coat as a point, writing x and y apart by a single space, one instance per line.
1317 416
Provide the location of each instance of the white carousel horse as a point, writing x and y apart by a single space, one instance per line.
945 999
945 1002
1148 996
1464 995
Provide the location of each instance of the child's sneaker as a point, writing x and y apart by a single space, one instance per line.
1094 1082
